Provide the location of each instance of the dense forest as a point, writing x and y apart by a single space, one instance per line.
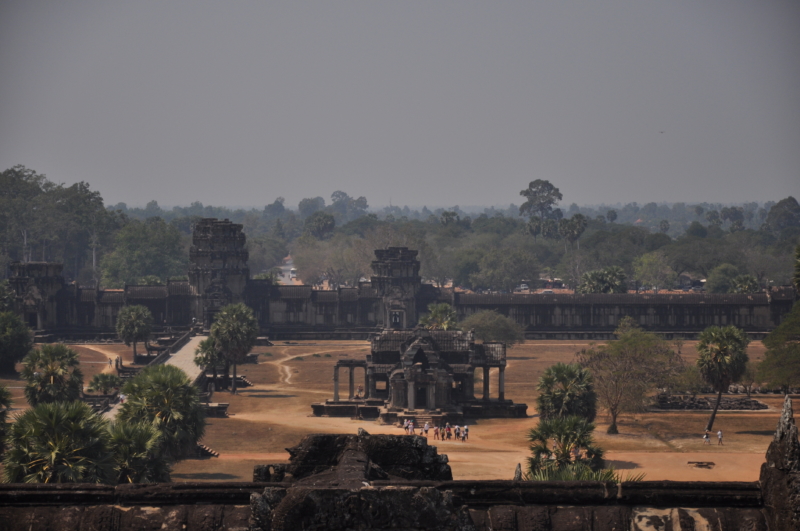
742 247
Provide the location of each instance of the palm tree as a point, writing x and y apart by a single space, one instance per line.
5 407
441 316
53 374
580 472
608 280
235 331
560 442
164 397
137 453
723 360
133 325
744 284
207 355
62 442
566 389
104 382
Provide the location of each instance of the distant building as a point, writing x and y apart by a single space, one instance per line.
394 298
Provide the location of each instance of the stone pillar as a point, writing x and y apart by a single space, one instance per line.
502 383
369 380
336 383
486 383
352 382
411 394
432 396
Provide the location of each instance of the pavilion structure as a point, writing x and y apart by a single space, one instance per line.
424 375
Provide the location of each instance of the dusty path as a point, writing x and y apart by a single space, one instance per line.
275 414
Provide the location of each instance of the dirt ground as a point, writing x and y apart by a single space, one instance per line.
275 413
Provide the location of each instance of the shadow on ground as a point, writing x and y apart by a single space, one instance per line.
621 465
205 476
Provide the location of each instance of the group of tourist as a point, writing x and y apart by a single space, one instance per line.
707 439
440 433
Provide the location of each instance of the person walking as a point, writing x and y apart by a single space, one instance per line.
706 439
719 438
436 433
405 426
465 431
425 428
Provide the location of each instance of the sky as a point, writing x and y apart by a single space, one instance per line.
406 103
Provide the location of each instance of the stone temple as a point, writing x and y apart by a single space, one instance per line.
394 298
423 375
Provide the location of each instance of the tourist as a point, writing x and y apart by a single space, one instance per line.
457 432
405 426
465 431
719 438
448 431
706 439
411 427
436 433
425 428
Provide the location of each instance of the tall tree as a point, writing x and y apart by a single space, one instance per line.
5 407
490 325
141 248
561 442
63 442
796 276
134 324
608 280
15 341
206 355
566 389
136 449
7 297
540 197
104 382
626 370
164 397
235 331
52 374
652 269
722 361
440 316
744 284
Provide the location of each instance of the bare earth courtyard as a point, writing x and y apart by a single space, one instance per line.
275 413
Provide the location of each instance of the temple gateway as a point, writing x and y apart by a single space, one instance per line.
425 376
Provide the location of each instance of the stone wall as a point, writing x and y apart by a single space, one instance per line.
366 482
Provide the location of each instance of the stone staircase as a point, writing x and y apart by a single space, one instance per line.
205 451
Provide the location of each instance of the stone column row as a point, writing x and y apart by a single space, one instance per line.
368 380
501 382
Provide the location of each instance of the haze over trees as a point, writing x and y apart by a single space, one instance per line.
332 239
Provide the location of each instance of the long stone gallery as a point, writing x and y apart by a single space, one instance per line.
394 298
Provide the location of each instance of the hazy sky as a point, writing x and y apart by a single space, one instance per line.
439 103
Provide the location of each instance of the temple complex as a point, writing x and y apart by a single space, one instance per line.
425 376
394 298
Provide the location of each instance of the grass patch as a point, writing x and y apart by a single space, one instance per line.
327 355
317 355
299 359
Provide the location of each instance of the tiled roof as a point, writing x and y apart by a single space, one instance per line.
326 296
611 298
295 292
88 295
146 292
783 293
180 287
348 294
112 297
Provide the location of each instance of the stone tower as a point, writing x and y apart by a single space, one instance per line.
218 271
396 279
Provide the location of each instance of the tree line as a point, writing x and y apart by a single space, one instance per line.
593 249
